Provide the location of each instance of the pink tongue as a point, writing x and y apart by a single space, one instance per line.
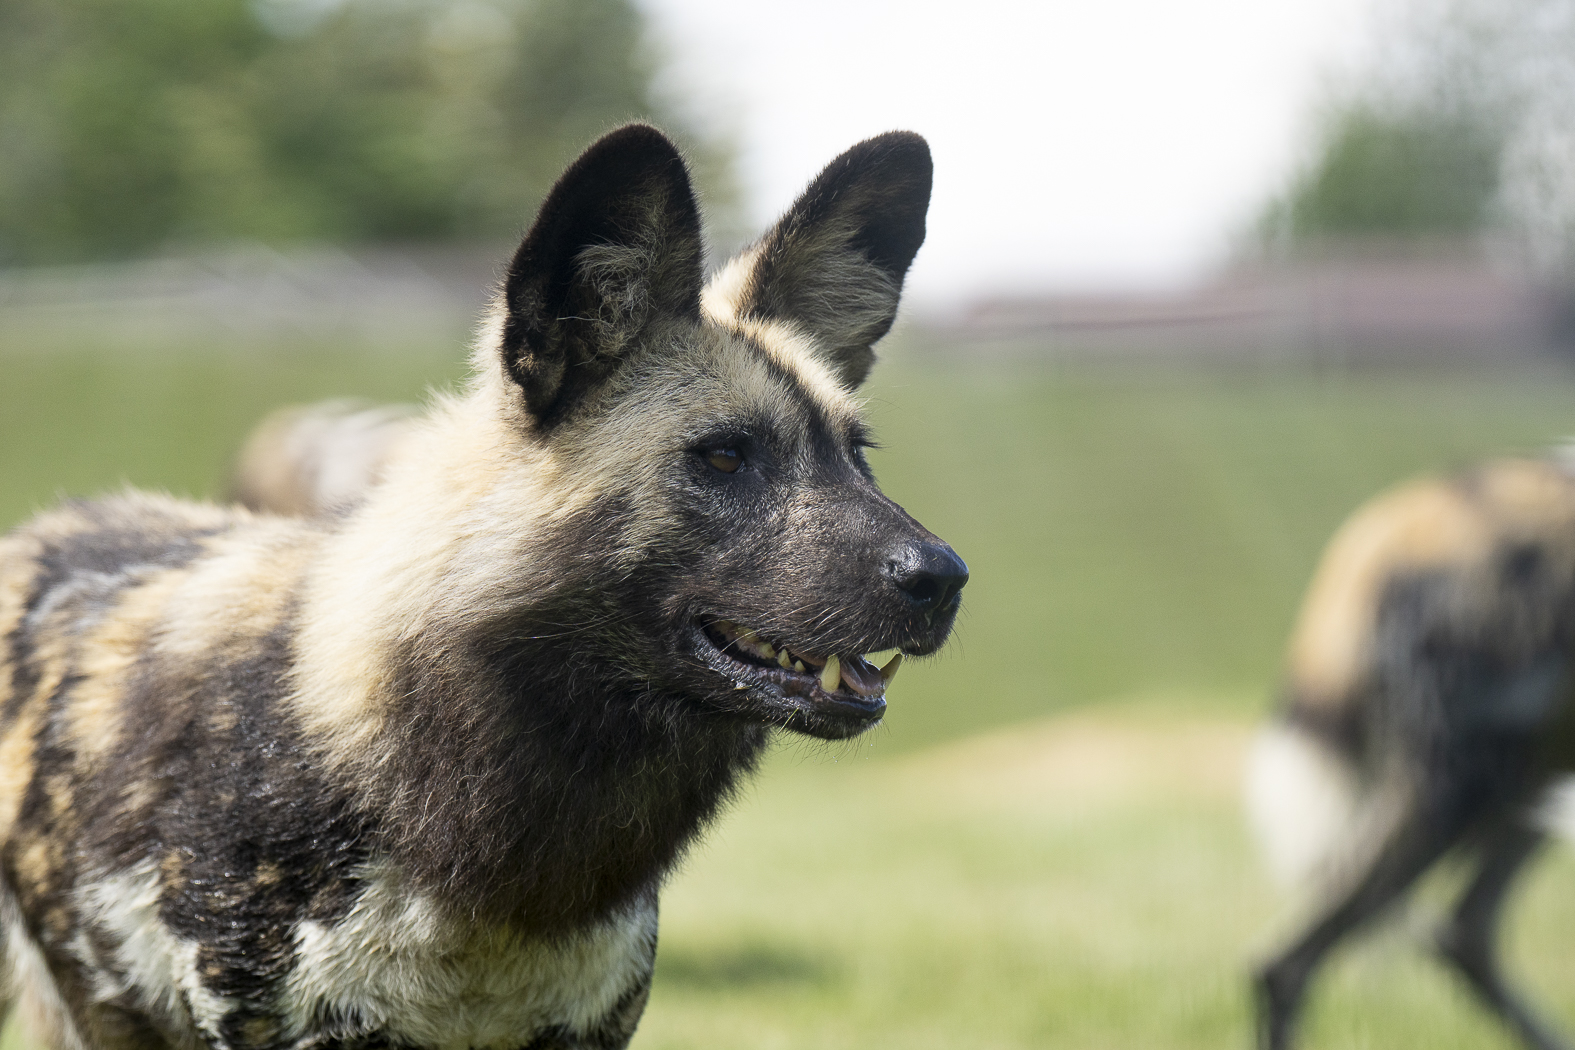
861 676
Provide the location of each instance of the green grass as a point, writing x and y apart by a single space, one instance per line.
1139 530
75 421
988 896
1130 534
1080 883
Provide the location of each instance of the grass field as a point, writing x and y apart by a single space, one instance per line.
1082 882
1016 859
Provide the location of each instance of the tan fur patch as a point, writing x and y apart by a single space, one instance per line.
1425 523
36 863
723 295
137 798
240 590
795 352
1428 524
16 761
93 712
53 656
18 567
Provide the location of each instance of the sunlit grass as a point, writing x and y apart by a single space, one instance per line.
1084 882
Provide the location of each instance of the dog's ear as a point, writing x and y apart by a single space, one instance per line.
615 249
835 263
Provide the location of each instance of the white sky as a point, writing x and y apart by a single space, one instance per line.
1078 144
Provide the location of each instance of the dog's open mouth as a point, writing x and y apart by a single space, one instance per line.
754 660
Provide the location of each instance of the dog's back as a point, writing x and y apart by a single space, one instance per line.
143 637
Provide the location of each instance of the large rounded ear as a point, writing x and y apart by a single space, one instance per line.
615 249
835 263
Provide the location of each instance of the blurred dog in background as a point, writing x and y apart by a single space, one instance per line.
1427 712
317 459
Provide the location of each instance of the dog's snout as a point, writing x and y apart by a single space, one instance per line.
930 574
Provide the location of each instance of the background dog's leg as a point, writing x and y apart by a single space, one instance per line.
1414 843
1469 939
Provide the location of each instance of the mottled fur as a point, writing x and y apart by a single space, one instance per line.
410 774
1428 711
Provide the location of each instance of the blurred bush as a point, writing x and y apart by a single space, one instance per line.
132 125
1401 174
1460 123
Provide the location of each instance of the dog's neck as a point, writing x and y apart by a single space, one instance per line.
526 779
550 800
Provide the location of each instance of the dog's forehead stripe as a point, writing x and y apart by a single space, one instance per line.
791 357
795 414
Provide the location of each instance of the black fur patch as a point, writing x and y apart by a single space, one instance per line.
544 783
248 838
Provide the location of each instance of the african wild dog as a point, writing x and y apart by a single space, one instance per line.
411 775
1427 712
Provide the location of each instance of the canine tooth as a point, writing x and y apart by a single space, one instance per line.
831 677
889 672
785 658
798 665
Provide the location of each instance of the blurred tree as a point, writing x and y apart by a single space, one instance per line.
1393 174
1463 121
128 125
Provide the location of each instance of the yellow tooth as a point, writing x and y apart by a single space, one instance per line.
889 672
785 659
747 635
767 650
798 665
831 677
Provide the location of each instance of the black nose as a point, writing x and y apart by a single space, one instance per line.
930 573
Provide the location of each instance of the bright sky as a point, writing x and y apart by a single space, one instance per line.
1078 143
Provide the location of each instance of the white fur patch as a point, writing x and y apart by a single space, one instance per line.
1556 815
796 353
400 968
160 968
723 294
1301 798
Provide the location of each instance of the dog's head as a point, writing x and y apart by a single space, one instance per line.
754 557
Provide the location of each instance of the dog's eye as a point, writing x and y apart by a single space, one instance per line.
727 460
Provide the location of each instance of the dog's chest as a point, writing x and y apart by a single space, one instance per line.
405 973
394 970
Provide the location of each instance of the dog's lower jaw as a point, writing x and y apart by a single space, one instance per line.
783 698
